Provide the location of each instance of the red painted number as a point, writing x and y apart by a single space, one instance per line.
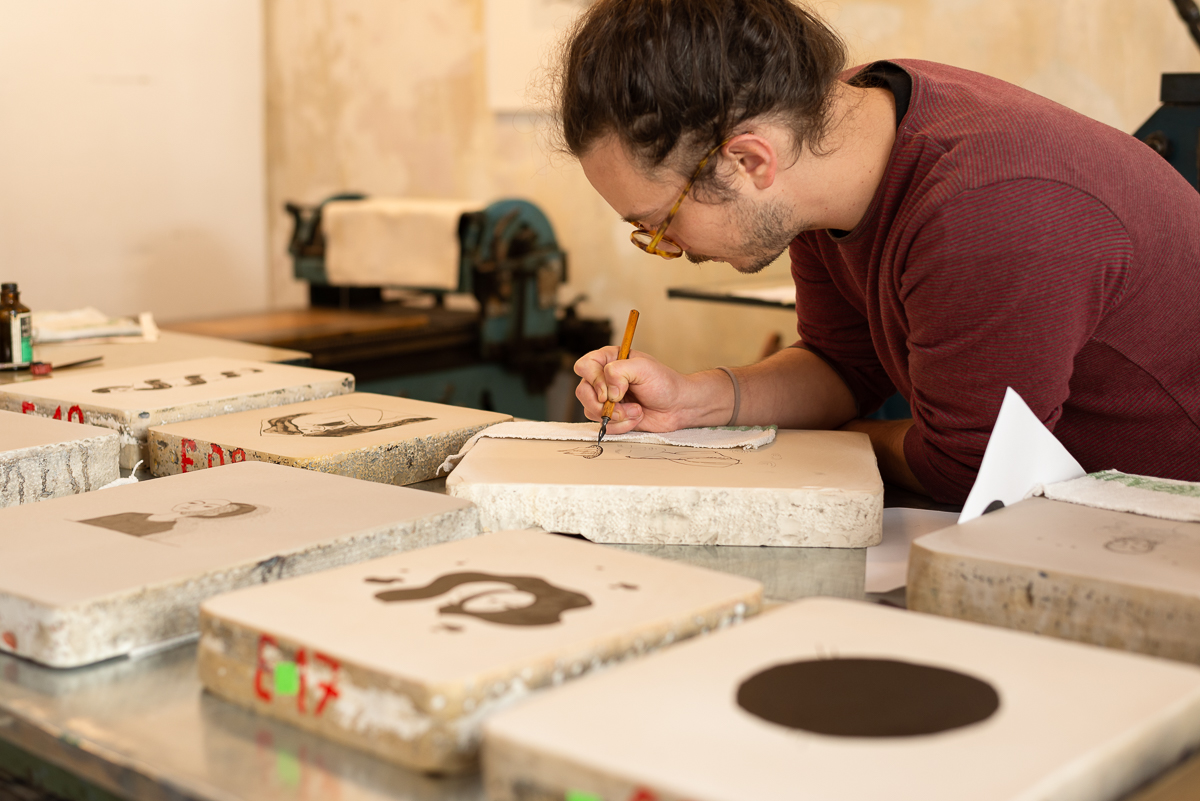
237 455
326 689
27 407
215 450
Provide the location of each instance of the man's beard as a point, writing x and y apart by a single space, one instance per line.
767 233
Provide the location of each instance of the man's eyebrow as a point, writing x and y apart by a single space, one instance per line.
634 219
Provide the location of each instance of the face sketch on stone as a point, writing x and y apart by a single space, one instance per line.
335 423
691 457
152 384
506 600
143 524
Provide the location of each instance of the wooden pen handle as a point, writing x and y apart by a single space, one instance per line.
623 353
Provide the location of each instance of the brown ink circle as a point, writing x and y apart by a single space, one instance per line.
867 697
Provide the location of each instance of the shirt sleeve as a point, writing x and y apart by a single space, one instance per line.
1001 287
836 330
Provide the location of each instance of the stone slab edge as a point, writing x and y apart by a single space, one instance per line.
818 518
430 729
406 462
115 625
42 472
133 426
1069 607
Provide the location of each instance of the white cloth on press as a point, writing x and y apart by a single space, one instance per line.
1124 492
393 242
721 437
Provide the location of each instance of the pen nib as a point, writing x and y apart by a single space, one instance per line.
603 428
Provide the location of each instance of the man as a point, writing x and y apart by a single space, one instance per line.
950 234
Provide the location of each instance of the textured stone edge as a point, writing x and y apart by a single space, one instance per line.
133 428
683 515
60 469
400 463
434 729
1139 619
113 626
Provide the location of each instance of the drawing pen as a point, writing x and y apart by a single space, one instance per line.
623 353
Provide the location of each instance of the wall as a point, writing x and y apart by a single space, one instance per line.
132 172
390 98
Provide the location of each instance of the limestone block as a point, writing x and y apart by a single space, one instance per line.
42 459
88 577
372 437
404 656
807 488
131 399
828 698
1115 579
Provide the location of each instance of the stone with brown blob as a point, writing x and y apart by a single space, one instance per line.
130 400
363 435
103 574
405 656
830 698
42 459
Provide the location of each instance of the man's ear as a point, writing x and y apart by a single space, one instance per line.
756 159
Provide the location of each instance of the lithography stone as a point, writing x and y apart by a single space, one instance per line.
1115 579
828 698
405 656
807 488
92 576
42 459
132 399
362 435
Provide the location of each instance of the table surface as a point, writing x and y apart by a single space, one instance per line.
170 347
143 728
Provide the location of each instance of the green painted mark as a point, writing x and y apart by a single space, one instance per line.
287 767
742 428
1152 484
287 678
580 795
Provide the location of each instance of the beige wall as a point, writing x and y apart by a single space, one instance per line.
389 97
132 174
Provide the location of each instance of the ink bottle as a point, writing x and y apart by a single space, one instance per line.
16 329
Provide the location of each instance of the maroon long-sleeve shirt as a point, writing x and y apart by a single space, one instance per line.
1014 242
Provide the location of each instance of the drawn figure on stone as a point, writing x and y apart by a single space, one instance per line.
506 600
146 524
335 423
692 457
1131 545
153 384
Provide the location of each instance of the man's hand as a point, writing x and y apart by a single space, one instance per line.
652 396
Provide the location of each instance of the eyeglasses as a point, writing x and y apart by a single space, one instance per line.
658 243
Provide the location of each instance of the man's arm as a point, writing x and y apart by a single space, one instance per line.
792 389
887 440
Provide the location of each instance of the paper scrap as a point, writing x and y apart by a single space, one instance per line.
1021 456
717 437
887 562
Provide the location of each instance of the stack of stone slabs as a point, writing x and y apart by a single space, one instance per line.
1109 578
817 489
829 699
42 459
362 435
92 576
442 638
132 399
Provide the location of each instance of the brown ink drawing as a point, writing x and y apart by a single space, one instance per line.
145 524
334 423
506 600
692 457
152 384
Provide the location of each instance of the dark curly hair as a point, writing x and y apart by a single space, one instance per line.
687 74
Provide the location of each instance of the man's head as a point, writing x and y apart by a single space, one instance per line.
648 87
671 79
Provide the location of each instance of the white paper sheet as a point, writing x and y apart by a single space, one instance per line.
887 563
1021 455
